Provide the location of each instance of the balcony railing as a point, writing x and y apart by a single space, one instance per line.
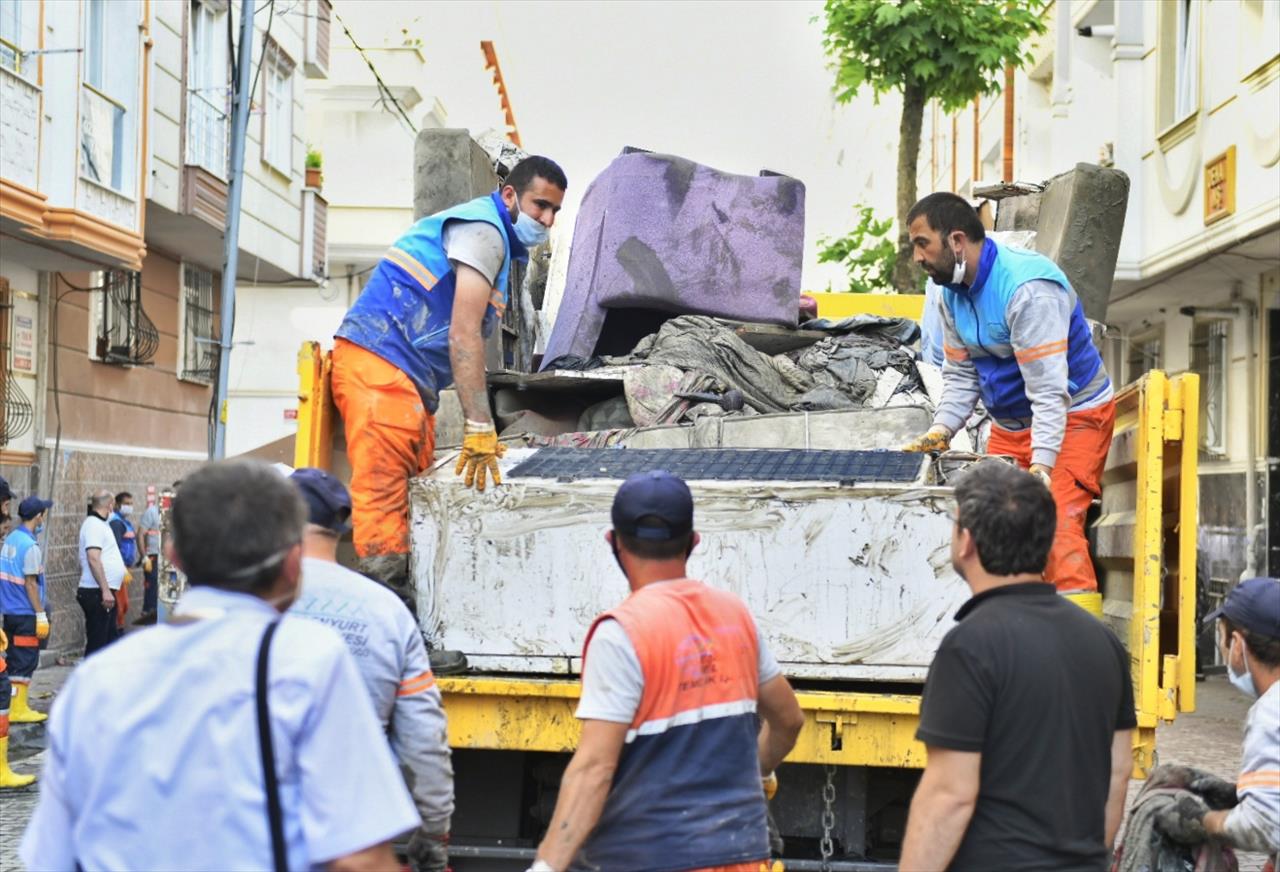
101 138
207 131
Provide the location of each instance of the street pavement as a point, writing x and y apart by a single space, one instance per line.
1209 738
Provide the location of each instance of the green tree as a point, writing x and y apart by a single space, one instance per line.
866 252
945 50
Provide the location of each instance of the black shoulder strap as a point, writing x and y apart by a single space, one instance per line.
274 812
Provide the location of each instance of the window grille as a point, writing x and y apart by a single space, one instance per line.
199 348
125 334
16 412
1209 358
1144 356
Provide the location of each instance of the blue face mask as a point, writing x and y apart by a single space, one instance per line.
530 233
1243 681
39 529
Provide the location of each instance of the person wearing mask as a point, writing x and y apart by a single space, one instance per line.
24 605
387 645
11 598
1248 626
121 522
102 573
681 699
235 718
420 325
149 534
1028 761
1014 334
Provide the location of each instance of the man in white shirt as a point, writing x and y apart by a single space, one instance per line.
387 645
169 717
101 573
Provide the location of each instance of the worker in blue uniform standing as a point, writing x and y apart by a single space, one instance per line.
23 604
419 326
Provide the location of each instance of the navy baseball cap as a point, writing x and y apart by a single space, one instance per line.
1253 605
5 493
653 505
328 503
32 506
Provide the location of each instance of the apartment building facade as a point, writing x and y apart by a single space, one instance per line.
114 144
1184 96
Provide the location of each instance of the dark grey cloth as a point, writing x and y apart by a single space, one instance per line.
1146 849
903 330
702 344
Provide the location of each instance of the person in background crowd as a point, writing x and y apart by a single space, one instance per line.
1248 624
24 605
127 539
102 573
387 645
169 719
685 712
10 780
149 532
1028 759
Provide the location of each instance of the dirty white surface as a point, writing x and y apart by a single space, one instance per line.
845 583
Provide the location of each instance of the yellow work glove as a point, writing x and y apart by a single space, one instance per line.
1043 473
938 439
480 452
770 784
146 564
4 641
42 625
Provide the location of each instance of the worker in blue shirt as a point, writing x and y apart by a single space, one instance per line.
419 326
23 604
171 718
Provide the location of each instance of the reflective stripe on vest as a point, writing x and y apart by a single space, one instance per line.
686 793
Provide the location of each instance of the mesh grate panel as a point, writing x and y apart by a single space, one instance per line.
723 464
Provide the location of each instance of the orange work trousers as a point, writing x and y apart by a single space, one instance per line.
391 437
1075 483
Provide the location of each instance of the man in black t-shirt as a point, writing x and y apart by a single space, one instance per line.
1028 709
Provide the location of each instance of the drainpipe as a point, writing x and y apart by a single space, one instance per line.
1249 310
231 250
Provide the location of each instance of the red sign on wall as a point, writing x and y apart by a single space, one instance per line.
291 414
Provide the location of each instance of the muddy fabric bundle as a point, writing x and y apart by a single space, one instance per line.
696 343
1146 849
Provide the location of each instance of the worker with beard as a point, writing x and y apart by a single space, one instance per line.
1015 335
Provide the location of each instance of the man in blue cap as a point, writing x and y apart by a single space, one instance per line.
1248 624
23 604
389 652
676 673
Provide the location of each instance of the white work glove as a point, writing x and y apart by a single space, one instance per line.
1043 473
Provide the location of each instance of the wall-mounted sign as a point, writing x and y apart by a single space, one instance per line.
1220 186
25 313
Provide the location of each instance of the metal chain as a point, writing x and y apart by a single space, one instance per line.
826 846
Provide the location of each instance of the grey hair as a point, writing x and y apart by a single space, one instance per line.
234 522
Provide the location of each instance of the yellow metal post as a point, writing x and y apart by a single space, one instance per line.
314 443
1144 631
1186 388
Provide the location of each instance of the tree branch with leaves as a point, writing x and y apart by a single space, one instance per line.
945 50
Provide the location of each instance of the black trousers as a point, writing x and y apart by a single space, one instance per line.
99 623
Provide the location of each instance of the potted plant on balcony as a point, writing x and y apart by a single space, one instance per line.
314 161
